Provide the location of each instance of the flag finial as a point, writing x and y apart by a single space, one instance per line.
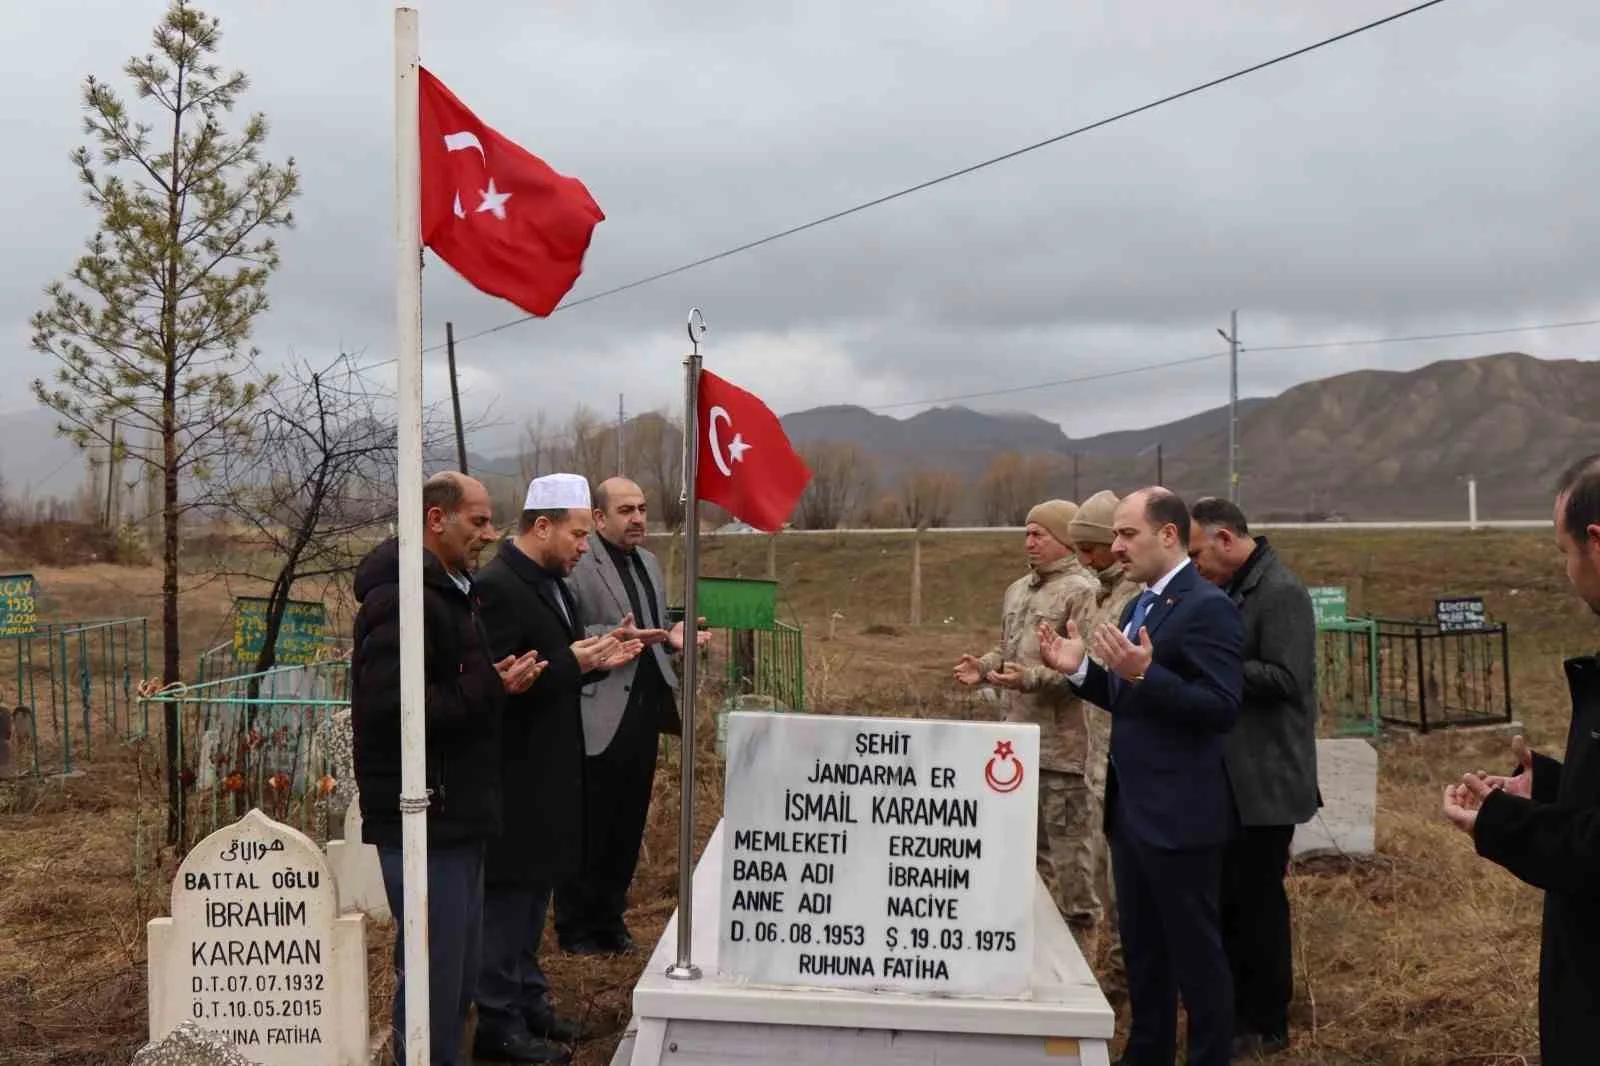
697 328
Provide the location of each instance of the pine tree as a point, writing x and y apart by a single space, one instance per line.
151 326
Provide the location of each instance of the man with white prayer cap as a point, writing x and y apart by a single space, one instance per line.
526 606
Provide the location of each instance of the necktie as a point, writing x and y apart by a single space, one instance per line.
1141 609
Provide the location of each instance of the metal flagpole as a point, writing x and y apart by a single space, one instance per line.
683 969
408 352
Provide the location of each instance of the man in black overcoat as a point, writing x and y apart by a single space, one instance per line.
1543 822
526 606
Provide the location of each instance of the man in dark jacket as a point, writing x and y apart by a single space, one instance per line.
465 688
1543 822
527 607
1271 756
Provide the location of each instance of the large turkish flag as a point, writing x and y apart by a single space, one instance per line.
498 214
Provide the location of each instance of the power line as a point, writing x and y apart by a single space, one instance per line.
1424 337
951 176
1243 349
1124 372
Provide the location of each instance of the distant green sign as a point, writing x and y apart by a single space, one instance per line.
1330 603
19 605
301 633
737 603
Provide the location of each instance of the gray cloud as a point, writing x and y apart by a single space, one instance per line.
1430 176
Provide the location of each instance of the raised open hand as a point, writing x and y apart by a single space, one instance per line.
1063 654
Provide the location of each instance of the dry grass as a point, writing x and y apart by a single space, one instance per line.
1426 955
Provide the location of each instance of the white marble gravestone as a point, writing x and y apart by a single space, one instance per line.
1347 774
356 870
257 953
881 854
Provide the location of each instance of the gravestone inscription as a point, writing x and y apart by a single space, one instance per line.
257 953
878 853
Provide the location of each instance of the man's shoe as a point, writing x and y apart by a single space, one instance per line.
544 1022
1248 1047
586 946
616 940
518 1047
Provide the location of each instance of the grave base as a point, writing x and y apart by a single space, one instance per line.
716 1020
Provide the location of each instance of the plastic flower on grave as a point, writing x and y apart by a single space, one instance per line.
326 784
253 740
233 782
279 781
186 776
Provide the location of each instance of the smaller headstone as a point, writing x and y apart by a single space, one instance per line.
190 1045
300 630
1330 603
206 778
19 605
256 952
356 869
1457 614
5 742
333 748
1347 774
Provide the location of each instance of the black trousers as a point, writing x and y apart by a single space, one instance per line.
1167 908
1255 928
510 983
617 785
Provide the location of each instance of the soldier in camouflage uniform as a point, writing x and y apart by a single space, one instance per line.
1056 589
1092 532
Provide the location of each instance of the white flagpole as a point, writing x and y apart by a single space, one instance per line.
683 968
408 352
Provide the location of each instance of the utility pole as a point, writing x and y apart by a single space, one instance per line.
620 471
1160 480
1076 494
455 396
1232 337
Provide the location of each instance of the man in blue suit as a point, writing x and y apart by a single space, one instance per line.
1172 678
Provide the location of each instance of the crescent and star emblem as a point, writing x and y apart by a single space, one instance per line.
736 447
1002 753
492 200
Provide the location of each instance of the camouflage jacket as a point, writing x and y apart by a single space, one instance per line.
1115 592
1053 594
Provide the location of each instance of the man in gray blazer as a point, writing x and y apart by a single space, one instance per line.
1271 758
619 585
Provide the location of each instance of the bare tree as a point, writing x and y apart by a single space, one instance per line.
317 486
1013 483
928 497
591 446
537 448
655 453
843 479
316 483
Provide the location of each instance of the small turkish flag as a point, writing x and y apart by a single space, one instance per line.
499 215
747 465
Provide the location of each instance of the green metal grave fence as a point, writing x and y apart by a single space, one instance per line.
73 682
1347 678
269 750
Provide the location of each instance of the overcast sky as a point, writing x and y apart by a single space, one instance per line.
1436 174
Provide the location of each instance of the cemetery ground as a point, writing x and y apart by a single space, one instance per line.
1423 955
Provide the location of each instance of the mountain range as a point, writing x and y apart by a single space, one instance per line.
1372 444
